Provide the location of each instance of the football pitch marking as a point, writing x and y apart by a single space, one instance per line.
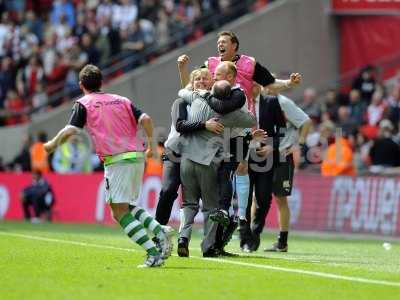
232 262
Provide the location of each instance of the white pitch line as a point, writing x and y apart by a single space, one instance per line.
232 262
39 238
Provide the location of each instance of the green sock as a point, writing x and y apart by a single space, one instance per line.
148 221
135 231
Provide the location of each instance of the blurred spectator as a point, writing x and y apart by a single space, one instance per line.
162 30
124 13
7 79
29 43
80 27
376 109
28 77
63 9
39 157
39 98
34 24
384 151
16 6
22 162
149 9
310 104
148 30
47 41
345 122
133 40
393 112
338 160
318 141
16 106
66 41
330 105
89 48
133 43
100 35
74 61
72 157
38 197
154 165
361 152
365 83
5 33
357 107
104 10
49 53
57 76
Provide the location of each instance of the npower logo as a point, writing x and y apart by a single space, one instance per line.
4 201
365 205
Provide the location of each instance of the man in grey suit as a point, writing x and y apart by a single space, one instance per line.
202 152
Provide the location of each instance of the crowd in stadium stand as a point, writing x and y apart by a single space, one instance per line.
355 132
363 124
44 43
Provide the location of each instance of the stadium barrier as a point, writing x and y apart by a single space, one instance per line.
338 204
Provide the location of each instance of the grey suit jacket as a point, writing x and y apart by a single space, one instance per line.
204 146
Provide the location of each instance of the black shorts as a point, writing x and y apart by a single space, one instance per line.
282 181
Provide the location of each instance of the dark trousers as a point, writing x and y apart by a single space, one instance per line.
169 190
39 207
261 184
225 191
238 147
27 205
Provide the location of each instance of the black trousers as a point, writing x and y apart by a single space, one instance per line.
238 147
169 190
225 190
261 184
38 205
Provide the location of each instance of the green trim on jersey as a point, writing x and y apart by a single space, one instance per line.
130 157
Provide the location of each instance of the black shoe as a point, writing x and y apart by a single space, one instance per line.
228 232
255 242
220 216
227 254
244 233
183 247
211 253
276 247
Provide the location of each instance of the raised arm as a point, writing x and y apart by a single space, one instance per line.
183 70
281 84
264 77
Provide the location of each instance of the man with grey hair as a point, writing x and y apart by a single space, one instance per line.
201 153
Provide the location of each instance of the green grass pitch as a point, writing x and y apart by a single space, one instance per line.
60 261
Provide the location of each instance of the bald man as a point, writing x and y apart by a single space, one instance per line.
201 153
